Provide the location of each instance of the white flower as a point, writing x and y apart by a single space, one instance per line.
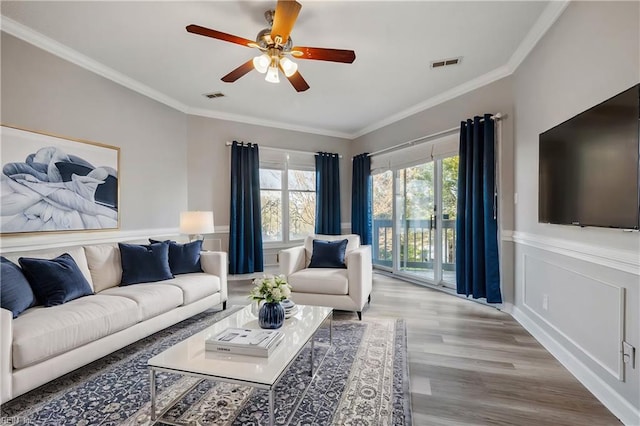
276 294
270 289
286 292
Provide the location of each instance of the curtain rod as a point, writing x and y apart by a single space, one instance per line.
422 139
292 151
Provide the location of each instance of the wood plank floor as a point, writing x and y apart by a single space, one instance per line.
471 364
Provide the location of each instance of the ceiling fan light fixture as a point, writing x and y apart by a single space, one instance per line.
272 75
288 66
261 63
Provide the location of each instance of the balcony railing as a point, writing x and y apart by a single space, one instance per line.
417 243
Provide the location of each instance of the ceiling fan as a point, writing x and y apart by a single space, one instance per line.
276 47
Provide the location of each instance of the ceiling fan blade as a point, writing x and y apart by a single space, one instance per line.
322 54
238 72
207 32
284 19
297 81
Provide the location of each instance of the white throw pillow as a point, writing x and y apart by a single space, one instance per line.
105 265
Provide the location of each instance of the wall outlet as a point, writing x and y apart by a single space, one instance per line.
545 302
628 354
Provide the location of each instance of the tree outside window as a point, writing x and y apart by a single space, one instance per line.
288 206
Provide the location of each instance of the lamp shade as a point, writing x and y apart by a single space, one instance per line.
288 66
272 75
196 223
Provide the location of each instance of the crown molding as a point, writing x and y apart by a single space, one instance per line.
546 19
267 123
466 87
47 44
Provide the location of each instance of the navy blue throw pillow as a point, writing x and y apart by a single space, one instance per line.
183 258
145 263
55 281
328 254
15 292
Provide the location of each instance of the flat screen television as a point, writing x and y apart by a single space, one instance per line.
589 166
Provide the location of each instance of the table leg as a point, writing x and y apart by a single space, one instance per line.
331 330
152 383
272 416
311 374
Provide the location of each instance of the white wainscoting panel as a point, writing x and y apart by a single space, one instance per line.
623 260
587 312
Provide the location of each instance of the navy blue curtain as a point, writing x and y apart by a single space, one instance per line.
361 198
327 193
477 267
245 234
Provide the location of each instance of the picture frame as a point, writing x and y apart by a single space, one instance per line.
51 183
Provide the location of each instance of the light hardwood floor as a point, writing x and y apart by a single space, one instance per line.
471 364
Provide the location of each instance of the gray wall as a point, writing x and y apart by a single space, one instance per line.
589 276
209 164
492 98
45 93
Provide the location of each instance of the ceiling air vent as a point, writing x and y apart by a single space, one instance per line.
446 62
214 95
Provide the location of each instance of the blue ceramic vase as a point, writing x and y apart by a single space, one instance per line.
271 315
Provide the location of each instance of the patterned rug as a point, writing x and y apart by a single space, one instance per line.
363 380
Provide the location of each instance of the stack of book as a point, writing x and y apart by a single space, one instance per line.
243 341
290 308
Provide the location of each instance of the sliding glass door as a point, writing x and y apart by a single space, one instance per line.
414 220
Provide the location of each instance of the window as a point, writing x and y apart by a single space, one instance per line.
288 203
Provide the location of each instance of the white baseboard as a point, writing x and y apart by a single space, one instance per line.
507 308
620 407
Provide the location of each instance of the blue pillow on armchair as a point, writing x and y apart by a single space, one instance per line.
328 254
55 281
145 263
183 258
15 292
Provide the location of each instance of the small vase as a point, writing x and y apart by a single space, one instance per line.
271 315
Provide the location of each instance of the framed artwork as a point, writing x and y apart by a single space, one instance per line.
51 183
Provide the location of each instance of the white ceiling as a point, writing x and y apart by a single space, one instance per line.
144 46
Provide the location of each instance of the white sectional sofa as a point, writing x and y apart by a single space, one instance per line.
43 343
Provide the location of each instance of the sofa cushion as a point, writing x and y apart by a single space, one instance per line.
352 244
41 333
145 263
328 254
15 292
196 286
55 281
76 252
153 299
321 281
105 265
183 258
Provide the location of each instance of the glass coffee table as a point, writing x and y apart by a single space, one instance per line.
189 357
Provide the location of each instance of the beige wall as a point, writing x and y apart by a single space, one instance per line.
589 276
45 93
209 162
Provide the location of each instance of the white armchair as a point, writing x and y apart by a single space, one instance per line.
344 289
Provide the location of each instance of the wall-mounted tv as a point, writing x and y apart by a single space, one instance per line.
589 166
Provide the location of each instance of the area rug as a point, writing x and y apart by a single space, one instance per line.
363 380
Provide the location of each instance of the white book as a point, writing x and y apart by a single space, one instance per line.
243 341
